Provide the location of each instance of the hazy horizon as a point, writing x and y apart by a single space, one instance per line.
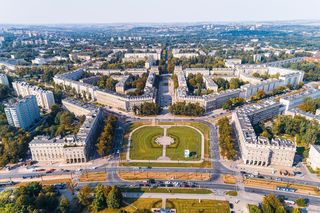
37 12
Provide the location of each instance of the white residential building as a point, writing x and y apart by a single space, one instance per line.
72 148
4 79
295 100
314 157
261 151
45 98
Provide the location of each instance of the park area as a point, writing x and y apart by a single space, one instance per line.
166 143
181 205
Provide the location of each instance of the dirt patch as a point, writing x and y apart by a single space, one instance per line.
93 176
267 184
229 179
164 175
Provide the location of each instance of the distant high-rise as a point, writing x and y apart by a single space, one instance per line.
4 79
23 113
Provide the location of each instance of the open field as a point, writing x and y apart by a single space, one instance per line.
163 175
181 205
93 176
142 143
168 190
268 184
187 138
194 206
131 205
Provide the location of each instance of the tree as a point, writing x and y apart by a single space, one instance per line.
222 83
64 206
147 108
114 198
226 143
295 210
100 201
254 209
104 145
190 109
235 83
301 202
4 92
259 95
84 195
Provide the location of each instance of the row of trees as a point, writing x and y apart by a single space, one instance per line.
310 105
34 198
162 62
189 109
195 83
305 131
4 92
233 103
105 141
59 122
226 143
147 108
223 84
44 72
122 65
107 82
311 69
278 90
100 198
200 61
137 82
271 204
265 76
175 81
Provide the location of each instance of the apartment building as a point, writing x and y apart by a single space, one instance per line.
45 98
295 100
121 85
256 150
4 79
72 148
314 157
24 113
106 97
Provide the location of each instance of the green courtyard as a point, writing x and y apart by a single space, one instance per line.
186 138
144 147
142 143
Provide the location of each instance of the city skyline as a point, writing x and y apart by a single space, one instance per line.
142 11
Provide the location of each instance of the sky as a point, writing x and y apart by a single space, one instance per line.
154 11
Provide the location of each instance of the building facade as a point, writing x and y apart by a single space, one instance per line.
4 79
76 148
45 98
314 157
256 150
24 113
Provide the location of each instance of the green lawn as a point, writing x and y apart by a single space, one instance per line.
142 143
194 206
188 138
181 205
